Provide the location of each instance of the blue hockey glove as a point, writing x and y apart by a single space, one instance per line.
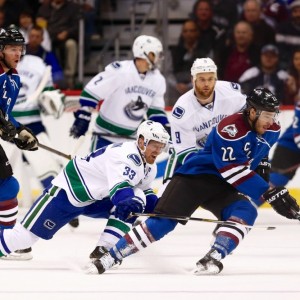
81 123
282 202
128 205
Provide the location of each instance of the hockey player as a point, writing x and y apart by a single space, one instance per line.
286 158
232 151
117 177
130 90
198 111
12 47
35 75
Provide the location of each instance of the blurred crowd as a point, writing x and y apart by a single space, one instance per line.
253 42
51 31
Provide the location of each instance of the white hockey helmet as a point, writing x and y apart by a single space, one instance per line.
203 65
153 131
143 45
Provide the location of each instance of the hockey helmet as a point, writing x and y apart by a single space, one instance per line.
203 65
11 36
263 100
143 45
153 131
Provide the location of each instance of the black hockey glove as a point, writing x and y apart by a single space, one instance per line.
128 205
26 139
263 169
81 123
282 202
7 129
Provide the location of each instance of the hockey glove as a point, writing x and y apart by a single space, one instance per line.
81 123
7 129
282 202
263 169
128 205
52 103
26 139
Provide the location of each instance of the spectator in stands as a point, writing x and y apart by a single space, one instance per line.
240 55
62 19
183 55
211 36
26 22
274 11
34 47
288 34
293 82
225 14
266 75
263 33
12 9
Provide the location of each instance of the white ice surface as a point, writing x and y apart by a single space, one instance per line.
265 266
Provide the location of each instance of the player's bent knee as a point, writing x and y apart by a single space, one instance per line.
18 238
160 227
9 188
243 210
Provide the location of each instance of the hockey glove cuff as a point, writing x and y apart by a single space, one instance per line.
128 205
282 202
7 129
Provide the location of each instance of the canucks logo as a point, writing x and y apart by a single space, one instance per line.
178 112
230 130
135 109
135 158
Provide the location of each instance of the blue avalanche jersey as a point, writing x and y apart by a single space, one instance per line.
291 137
10 85
233 151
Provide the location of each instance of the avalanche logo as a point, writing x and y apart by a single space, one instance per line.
230 130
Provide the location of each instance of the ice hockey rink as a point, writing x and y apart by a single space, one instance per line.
266 265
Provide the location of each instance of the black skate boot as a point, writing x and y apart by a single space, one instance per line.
100 265
210 264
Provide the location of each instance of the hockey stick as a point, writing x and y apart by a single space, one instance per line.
183 218
78 144
67 156
113 135
34 96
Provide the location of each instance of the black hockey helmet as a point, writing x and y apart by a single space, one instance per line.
262 100
11 36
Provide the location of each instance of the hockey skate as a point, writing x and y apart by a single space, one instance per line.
210 264
24 254
101 264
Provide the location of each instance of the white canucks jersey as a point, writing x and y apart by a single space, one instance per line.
191 122
127 97
31 70
103 172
